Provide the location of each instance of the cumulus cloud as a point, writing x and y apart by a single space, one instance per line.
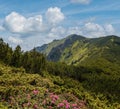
91 29
34 24
54 15
17 23
57 32
109 29
15 40
14 22
74 30
81 1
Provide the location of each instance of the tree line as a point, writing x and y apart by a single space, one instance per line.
32 61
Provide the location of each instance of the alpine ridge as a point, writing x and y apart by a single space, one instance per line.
77 49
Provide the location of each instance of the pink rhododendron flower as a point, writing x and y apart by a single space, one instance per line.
56 97
28 104
35 92
53 102
65 101
67 106
60 105
74 105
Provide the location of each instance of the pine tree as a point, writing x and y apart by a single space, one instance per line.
16 57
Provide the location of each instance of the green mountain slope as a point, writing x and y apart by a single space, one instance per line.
76 49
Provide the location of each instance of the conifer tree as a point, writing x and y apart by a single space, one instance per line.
16 57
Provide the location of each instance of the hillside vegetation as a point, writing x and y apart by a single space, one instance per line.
29 81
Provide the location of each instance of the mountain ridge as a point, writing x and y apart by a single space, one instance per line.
74 49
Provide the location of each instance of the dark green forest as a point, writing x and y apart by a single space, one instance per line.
58 85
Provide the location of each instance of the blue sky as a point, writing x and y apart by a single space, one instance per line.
31 23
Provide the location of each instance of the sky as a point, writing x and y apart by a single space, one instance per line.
31 23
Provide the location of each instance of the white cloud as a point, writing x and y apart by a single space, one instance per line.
15 40
109 29
34 24
91 29
54 15
57 32
74 30
81 1
15 22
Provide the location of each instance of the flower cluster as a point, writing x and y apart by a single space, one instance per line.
44 100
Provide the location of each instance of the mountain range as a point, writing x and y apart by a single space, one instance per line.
76 49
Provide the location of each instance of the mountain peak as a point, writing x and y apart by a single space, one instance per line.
75 36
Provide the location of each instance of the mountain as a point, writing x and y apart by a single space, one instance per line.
76 49
63 43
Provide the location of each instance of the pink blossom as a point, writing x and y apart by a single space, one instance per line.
56 97
67 106
60 105
35 92
65 101
53 102
28 104
74 105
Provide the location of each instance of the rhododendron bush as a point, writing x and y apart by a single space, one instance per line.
38 99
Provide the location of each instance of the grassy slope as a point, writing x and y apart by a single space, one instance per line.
92 49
